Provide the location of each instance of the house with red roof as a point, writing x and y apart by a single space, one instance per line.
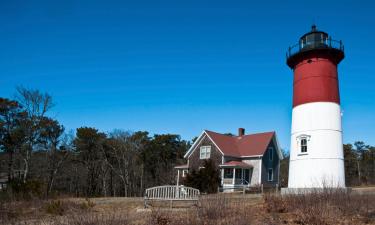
243 160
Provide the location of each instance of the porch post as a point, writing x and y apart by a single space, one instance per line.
222 177
178 177
242 180
234 176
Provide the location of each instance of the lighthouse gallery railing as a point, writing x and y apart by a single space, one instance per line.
323 43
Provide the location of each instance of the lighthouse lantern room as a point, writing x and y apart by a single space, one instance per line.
316 150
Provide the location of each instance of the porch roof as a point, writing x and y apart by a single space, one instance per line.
184 166
235 164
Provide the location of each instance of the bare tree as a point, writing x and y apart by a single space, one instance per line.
118 156
36 105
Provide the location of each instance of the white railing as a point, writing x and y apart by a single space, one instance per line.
171 193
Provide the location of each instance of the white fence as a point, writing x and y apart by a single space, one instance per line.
171 193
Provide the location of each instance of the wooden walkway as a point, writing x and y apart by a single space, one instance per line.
171 193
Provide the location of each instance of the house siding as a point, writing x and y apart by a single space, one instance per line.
255 176
267 164
260 164
194 159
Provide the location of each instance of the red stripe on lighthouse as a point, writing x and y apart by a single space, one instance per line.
315 80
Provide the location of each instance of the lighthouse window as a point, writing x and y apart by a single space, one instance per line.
303 145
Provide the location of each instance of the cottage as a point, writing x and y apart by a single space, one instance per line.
244 160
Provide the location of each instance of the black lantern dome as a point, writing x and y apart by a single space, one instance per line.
313 42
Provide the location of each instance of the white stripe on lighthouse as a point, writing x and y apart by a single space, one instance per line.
323 163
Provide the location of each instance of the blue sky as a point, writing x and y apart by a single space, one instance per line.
182 66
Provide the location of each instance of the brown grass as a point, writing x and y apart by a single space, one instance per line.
331 206
323 208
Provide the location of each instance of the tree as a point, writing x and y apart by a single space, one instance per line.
120 156
160 156
351 169
36 105
12 136
50 137
206 179
284 169
89 149
360 149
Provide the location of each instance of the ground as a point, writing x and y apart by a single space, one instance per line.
330 207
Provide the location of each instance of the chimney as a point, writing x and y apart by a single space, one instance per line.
241 132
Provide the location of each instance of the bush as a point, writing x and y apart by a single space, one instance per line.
207 179
26 190
63 207
55 208
87 204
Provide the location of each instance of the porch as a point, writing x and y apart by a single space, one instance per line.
235 174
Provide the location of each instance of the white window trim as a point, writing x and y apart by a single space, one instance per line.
299 140
205 152
268 173
184 172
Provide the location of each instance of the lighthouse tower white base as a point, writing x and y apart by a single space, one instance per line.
321 162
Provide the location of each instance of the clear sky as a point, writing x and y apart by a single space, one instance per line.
182 66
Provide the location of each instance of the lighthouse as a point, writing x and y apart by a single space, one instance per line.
316 149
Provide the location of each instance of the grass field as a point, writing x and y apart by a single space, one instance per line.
328 207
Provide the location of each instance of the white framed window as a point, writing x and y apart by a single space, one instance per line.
303 144
184 172
228 172
270 153
270 174
205 152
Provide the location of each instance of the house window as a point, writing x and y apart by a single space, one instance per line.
303 145
270 150
238 173
228 173
184 172
205 152
270 174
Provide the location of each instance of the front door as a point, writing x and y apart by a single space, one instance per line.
247 176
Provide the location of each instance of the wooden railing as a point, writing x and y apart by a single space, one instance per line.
171 193
237 181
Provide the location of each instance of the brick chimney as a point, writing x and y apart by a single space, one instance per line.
241 132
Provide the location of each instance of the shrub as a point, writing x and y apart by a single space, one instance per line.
26 190
207 179
55 208
63 207
87 204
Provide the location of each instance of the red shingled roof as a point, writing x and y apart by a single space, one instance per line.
239 146
236 164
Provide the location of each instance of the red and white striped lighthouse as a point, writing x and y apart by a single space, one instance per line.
316 150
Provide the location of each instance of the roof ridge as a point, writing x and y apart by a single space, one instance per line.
237 146
236 136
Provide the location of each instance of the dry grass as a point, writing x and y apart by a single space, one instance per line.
332 206
323 208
